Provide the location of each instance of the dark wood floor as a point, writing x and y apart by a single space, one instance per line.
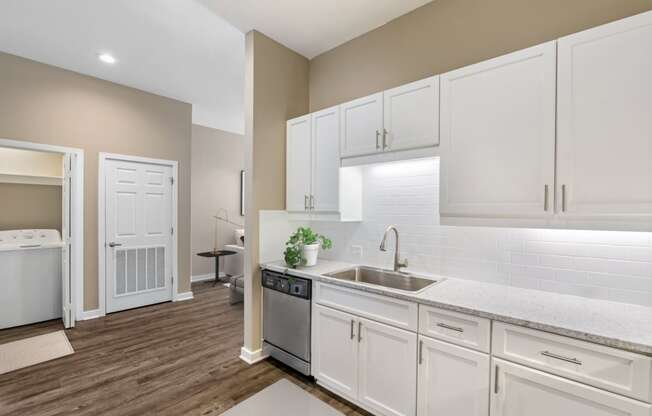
168 359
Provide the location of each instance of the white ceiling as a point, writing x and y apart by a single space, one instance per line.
311 27
174 48
190 50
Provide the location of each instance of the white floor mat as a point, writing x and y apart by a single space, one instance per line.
282 398
29 351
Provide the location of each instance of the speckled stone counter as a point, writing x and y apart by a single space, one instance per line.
618 325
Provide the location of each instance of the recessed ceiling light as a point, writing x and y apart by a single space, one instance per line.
107 58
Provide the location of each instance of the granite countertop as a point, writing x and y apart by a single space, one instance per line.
618 325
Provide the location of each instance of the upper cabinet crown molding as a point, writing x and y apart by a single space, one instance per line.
604 142
498 136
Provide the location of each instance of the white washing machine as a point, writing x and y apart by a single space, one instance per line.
30 277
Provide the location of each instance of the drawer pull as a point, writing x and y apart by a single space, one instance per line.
352 324
452 328
561 357
359 331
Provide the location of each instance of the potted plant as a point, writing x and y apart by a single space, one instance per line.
303 247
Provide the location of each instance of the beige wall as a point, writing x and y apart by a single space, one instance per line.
30 162
217 159
29 206
44 104
276 89
449 34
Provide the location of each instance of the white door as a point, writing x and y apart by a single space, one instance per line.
452 380
335 351
604 151
67 312
138 234
520 391
498 136
326 160
411 115
388 371
362 126
298 164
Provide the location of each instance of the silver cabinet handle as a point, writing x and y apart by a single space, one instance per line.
352 324
385 145
29 245
359 331
561 357
563 198
545 198
305 202
112 244
377 139
452 328
496 380
312 202
420 351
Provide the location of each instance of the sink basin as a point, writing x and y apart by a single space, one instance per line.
385 278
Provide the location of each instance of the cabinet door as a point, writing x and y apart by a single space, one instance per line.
326 160
335 351
605 128
452 380
519 391
362 126
387 360
498 136
298 164
411 115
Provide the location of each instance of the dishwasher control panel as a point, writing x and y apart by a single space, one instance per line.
290 285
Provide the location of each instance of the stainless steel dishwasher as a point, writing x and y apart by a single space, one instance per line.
286 319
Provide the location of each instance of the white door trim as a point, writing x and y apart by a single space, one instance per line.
77 219
101 221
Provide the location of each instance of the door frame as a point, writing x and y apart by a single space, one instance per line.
101 221
76 220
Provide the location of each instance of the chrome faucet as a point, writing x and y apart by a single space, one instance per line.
398 264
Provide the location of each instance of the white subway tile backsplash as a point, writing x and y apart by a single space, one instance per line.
597 264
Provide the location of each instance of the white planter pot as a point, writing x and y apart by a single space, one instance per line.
310 253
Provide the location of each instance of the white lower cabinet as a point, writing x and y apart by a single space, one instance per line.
387 370
521 391
335 351
366 362
452 380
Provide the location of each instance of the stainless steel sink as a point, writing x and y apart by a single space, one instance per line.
385 278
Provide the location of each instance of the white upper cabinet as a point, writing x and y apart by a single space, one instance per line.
604 144
498 136
298 164
362 126
325 160
411 115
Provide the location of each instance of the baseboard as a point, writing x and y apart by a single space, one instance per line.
252 357
183 296
205 277
92 314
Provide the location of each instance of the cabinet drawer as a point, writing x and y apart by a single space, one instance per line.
395 312
607 368
457 328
